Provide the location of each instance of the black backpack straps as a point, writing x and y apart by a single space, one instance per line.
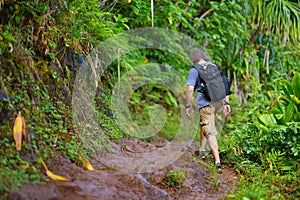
200 79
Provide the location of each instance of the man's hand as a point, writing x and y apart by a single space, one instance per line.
227 109
188 112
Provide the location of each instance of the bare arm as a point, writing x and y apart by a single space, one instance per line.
188 98
227 99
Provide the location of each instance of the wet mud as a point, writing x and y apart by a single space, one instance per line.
109 184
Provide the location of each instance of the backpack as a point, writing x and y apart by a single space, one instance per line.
212 82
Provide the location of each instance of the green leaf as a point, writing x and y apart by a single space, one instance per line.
285 168
296 85
287 88
18 19
170 99
297 117
297 100
267 119
289 112
276 111
279 118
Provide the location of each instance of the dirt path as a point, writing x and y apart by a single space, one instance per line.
198 183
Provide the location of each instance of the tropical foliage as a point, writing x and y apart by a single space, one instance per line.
42 44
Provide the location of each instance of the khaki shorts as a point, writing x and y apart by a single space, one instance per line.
207 120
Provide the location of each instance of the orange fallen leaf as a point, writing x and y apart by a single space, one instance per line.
18 131
52 175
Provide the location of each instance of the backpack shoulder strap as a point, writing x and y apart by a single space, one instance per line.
197 67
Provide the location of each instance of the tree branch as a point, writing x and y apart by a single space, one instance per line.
204 14
255 35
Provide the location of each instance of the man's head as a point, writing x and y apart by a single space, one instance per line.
196 55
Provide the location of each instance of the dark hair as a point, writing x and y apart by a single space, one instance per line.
196 55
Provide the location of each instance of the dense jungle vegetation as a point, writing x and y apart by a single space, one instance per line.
255 42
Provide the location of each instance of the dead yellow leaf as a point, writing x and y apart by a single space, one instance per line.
25 166
145 61
52 175
18 131
86 163
57 177
131 127
23 126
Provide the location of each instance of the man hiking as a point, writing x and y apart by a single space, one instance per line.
207 105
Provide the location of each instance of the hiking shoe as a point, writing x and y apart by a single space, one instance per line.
201 154
219 166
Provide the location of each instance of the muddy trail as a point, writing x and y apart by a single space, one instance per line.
109 184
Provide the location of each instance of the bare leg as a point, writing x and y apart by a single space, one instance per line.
213 144
203 141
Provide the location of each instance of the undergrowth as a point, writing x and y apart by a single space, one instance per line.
39 45
175 178
264 147
255 183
